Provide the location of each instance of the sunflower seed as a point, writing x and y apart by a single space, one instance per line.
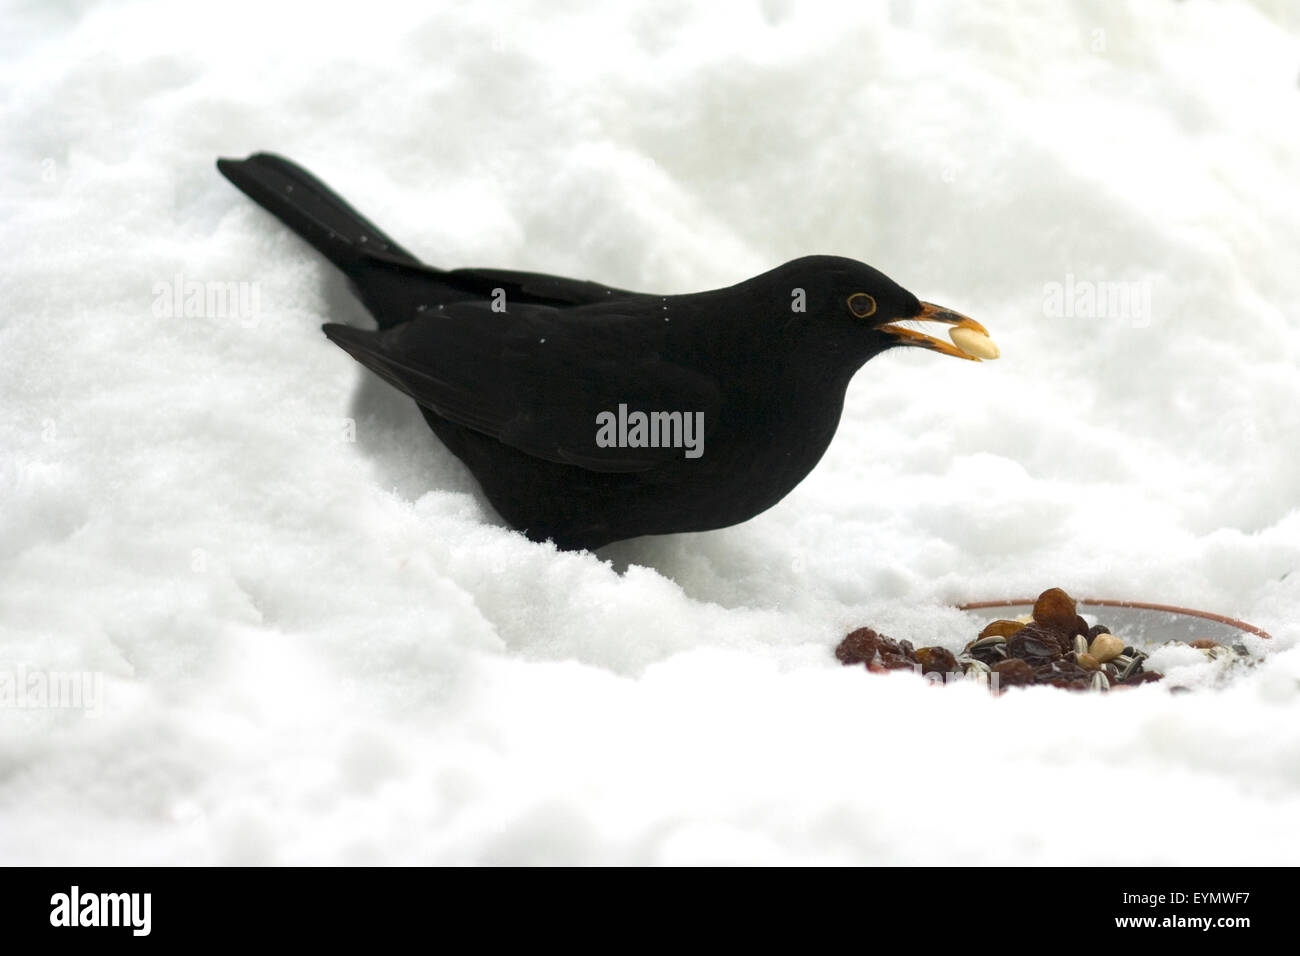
1100 682
1080 644
991 641
973 342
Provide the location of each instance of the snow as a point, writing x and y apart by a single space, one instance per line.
312 649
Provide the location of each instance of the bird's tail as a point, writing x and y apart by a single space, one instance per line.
314 211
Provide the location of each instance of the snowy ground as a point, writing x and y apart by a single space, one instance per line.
316 650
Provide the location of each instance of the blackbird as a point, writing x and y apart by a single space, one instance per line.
591 414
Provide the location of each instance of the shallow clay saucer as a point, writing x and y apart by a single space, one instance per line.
1139 623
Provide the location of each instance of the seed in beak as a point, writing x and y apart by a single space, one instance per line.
973 343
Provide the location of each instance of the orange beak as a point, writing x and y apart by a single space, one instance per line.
977 338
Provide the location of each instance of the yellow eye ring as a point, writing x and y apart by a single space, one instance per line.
862 305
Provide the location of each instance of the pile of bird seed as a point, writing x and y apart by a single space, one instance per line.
1056 647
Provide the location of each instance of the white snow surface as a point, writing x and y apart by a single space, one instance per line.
315 650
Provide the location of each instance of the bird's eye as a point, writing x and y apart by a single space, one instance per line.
862 305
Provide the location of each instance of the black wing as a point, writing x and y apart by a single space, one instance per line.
532 288
536 377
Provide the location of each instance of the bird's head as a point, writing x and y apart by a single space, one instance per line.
860 308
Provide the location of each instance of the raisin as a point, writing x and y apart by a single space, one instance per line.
936 660
1034 644
1142 677
1001 628
895 655
1066 681
1056 609
1014 672
859 647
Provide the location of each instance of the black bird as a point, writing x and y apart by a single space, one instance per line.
591 414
